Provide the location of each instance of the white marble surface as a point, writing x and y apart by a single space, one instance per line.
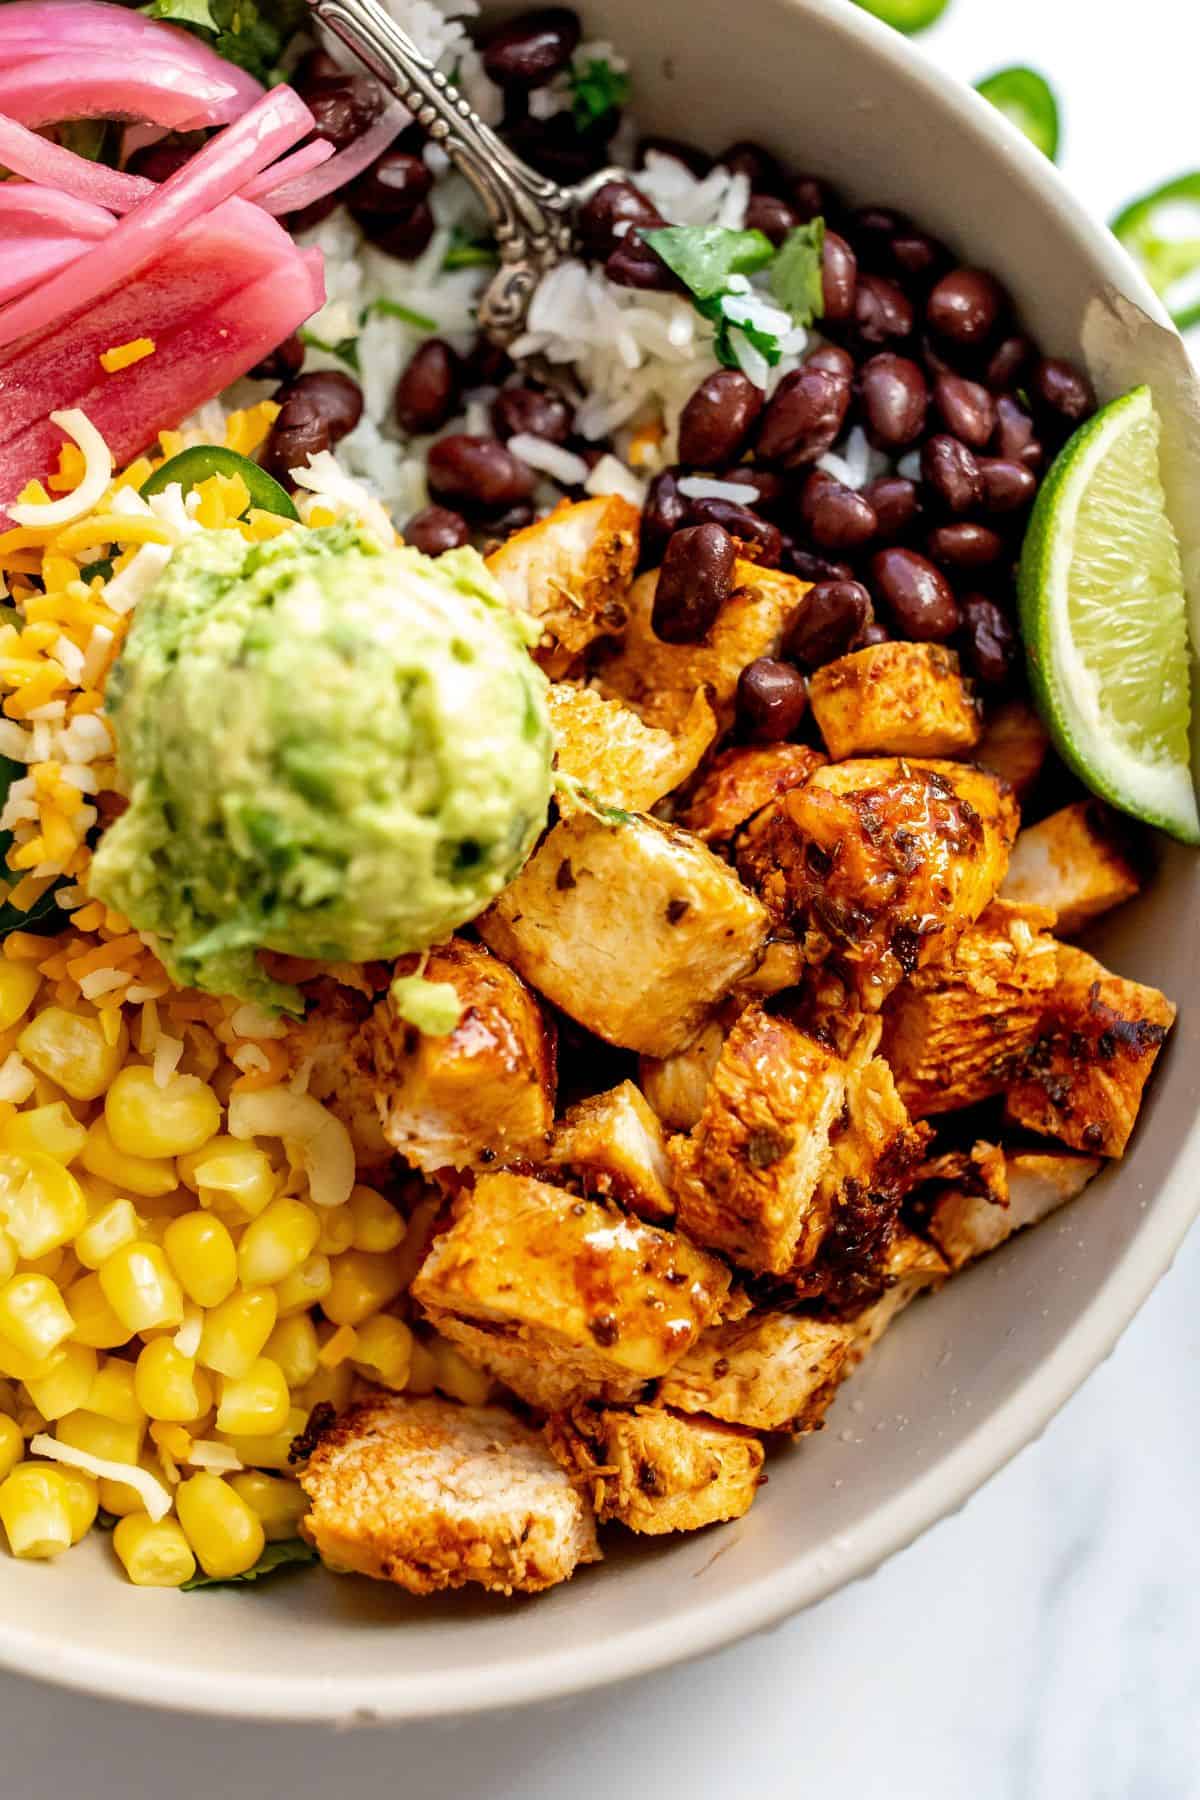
1042 1645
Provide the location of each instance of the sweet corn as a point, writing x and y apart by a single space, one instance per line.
306 1286
136 1174
95 1322
153 1555
202 1254
8 1258
268 1452
83 1500
35 1510
114 1225
53 1129
19 982
383 1350
18 1365
71 1048
168 1385
331 1387
456 1377
114 1393
33 1315
255 1404
422 1369
140 1287
146 1120
68 1386
378 1227
279 1504
226 1535
236 1182
362 1285
277 1242
337 1230
293 1345
114 1440
12 1445
236 1331
123 1500
41 1202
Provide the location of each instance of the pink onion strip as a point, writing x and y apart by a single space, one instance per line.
49 26
343 167
23 152
308 156
115 84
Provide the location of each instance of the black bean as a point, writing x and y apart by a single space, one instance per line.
613 204
283 363
965 307
717 421
839 278
665 510
634 264
698 161
917 596
435 529
804 417
427 391
343 106
528 51
761 169
762 541
478 471
542 414
771 215
810 567
933 356
871 229
765 488
832 616
895 399
951 474
872 634
1061 392
158 162
812 198
917 259
694 582
771 700
393 184
989 643
404 236
883 313
1008 362
1016 439
486 364
556 147
965 545
313 67
513 518
896 505
835 516
1007 486
315 412
833 359
967 409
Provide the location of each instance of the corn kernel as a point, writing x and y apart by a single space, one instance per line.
235 1332
278 1503
422 1369
8 1258
68 1385
153 1555
135 1174
377 1225
122 1499
202 1254
306 1286
331 1387
41 1202
458 1378
114 1393
234 1179
362 1285
272 1451
95 1321
33 1316
19 982
277 1242
337 1230
12 1445
293 1345
35 1511
383 1350
114 1440
226 1534
255 1404
53 1129
166 1384
145 1119
115 1225
83 1500
140 1287
71 1048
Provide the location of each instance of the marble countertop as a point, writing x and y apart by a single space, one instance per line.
1044 1644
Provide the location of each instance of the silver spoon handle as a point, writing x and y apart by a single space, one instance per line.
530 215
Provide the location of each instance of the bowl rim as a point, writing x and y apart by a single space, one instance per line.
642 1649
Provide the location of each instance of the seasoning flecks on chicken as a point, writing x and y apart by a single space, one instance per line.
1013 745
770 1371
965 1223
895 699
1082 1080
1078 861
431 1495
738 783
912 1267
657 1471
677 1085
564 1298
958 1030
635 929
570 571
621 761
613 1145
881 862
484 1092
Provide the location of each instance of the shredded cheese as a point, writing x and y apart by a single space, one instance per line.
123 356
97 473
154 1495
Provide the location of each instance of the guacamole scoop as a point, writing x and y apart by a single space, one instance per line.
331 749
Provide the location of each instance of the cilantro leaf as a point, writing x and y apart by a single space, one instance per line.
346 351
597 89
392 309
467 252
796 272
250 35
290 1553
705 256
184 12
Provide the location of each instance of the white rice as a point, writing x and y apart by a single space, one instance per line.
550 459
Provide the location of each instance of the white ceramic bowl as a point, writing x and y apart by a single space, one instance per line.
967 1378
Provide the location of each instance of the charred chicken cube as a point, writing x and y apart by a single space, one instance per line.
613 1145
676 1086
1013 745
881 862
740 782
1077 861
563 1298
657 1471
895 699
770 1371
621 761
431 1495
1082 1080
956 1032
320 1051
965 1223
483 1092
570 572
634 929
912 1267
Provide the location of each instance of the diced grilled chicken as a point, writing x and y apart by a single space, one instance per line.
913 1266
657 1471
570 572
636 930
747 1179
895 699
770 1371
1078 861
1082 1081
882 861
481 1094
740 782
620 760
320 1050
430 1495
676 1086
612 1144
660 679
1013 745
562 1298
956 1032
965 1223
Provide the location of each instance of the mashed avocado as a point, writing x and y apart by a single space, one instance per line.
330 749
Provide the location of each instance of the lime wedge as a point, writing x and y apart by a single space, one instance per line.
1103 615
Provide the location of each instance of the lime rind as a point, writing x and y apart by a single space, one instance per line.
1103 614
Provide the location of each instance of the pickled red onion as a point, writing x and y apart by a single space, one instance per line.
343 167
43 230
308 156
110 84
23 152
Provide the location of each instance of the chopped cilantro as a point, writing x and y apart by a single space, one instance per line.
245 33
796 272
290 1553
705 256
597 90
346 351
467 252
392 309
197 13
